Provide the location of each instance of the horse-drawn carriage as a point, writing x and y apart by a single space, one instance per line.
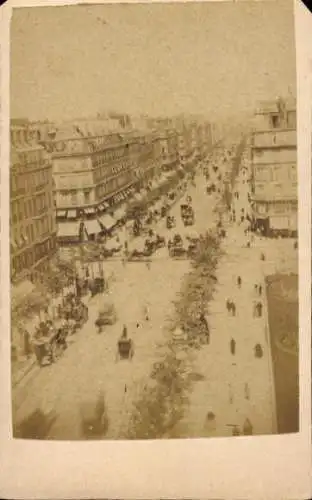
156 241
187 214
97 285
125 348
49 343
176 247
170 222
163 211
143 251
74 310
110 248
107 316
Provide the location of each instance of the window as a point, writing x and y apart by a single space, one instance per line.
279 208
293 173
87 196
74 197
262 209
274 121
291 119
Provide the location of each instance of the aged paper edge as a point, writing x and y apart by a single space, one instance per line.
262 467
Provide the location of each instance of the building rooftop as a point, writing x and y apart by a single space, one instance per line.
274 106
267 107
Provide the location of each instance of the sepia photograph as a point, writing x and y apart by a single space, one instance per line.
154 221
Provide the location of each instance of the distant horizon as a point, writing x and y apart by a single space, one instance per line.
187 116
78 60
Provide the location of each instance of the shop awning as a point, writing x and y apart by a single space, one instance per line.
89 211
92 226
107 221
279 222
129 190
68 230
72 214
61 213
119 197
103 206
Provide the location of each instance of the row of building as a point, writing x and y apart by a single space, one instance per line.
71 179
274 167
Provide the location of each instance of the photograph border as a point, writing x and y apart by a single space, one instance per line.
246 467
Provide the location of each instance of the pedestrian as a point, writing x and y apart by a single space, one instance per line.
254 309
247 391
259 309
239 281
228 305
233 346
204 322
233 307
260 290
231 397
146 313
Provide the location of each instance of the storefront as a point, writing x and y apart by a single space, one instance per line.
68 232
92 228
107 222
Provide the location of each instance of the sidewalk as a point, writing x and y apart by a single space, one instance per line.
239 386
223 390
21 368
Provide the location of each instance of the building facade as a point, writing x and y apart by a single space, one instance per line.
274 166
95 172
169 149
187 145
32 218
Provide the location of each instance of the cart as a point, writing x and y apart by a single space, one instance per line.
125 349
49 346
107 316
170 222
97 286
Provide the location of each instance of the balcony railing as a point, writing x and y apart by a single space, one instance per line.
275 138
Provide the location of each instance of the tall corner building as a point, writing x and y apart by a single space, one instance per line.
274 168
32 217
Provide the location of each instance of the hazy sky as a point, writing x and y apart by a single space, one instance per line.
213 58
